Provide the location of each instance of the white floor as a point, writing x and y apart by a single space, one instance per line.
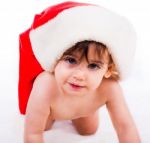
15 19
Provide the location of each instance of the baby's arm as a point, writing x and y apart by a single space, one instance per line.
38 109
120 115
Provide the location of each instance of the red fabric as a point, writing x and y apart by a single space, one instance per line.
52 11
29 67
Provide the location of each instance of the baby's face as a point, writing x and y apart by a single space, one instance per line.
75 77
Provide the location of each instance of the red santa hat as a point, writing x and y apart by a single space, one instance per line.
59 27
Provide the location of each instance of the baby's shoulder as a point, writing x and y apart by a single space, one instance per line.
110 84
109 88
45 78
45 82
45 87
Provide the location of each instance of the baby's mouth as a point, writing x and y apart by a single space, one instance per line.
76 86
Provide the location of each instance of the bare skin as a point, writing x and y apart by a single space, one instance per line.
73 93
44 116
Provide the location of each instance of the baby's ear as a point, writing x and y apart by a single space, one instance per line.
107 74
112 72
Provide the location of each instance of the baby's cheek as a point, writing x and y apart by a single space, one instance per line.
96 82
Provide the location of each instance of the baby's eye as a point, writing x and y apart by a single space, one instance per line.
93 66
70 60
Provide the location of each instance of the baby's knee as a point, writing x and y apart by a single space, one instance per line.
90 131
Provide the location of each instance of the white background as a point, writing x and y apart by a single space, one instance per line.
17 15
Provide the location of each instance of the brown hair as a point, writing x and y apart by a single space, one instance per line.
101 51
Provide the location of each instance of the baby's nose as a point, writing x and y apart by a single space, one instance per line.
79 74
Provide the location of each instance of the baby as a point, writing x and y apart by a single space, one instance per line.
83 77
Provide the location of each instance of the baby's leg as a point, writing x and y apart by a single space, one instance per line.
87 125
49 123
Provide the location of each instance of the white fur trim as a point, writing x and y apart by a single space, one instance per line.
51 39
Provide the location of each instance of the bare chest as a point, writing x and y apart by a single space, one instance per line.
67 109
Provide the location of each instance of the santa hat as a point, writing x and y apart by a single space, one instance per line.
59 27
